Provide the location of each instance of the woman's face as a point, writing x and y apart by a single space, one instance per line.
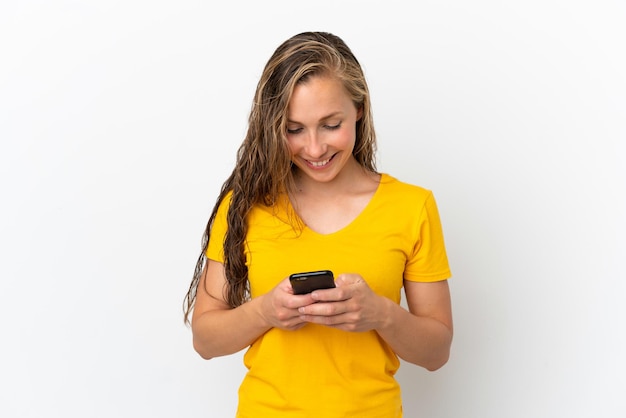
321 128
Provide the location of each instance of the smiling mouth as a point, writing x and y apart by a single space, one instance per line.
319 163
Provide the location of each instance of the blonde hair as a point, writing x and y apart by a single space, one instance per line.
263 168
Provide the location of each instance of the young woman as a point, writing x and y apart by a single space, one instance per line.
305 195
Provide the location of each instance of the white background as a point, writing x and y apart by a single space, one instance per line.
119 121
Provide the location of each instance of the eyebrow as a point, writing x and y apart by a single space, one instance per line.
332 115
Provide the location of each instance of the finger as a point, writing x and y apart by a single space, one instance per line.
348 279
296 324
337 294
343 322
324 295
290 320
296 301
340 320
323 309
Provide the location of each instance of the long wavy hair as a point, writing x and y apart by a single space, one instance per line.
263 169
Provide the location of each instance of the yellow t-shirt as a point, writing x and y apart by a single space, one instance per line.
319 371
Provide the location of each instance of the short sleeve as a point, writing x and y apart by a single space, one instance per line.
429 260
215 249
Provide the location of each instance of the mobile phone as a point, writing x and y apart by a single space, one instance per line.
303 283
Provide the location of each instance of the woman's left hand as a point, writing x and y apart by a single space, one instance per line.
351 306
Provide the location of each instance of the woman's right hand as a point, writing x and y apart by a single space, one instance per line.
279 307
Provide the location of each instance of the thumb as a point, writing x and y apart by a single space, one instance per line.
348 279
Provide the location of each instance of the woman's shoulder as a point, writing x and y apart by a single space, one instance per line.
224 203
395 188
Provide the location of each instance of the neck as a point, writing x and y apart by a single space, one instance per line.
350 180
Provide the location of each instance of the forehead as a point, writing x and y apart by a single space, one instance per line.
318 97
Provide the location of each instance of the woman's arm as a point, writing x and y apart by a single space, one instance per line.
422 335
219 329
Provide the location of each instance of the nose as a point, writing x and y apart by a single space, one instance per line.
315 147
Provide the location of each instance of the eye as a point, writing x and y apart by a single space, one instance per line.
293 131
333 127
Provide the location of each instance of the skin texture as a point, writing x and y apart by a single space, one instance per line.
321 136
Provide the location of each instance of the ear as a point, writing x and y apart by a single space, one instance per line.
359 113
